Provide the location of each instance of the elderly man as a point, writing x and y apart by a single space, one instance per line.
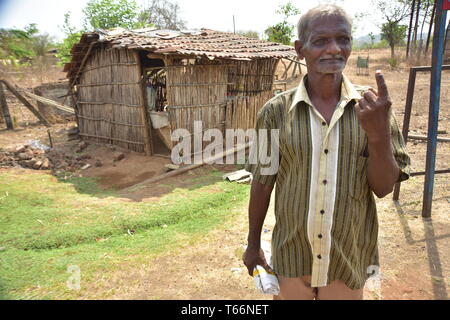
338 143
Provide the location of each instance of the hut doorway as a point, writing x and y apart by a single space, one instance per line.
154 72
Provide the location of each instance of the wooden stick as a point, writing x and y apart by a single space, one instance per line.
50 138
107 84
109 138
112 122
189 167
296 61
50 102
91 45
5 109
26 103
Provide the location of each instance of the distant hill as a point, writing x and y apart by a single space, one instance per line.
366 39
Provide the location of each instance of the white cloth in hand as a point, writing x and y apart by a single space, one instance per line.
266 282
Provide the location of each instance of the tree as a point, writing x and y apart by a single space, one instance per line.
283 31
394 34
16 44
163 14
372 39
108 14
72 37
394 12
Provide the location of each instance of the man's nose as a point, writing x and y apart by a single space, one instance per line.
333 47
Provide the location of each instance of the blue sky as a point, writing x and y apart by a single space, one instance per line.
214 14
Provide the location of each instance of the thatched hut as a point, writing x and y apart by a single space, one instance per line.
134 87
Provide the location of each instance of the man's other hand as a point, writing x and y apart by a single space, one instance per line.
255 256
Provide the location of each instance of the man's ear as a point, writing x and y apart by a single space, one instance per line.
299 49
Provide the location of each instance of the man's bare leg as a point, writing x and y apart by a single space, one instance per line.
337 290
295 289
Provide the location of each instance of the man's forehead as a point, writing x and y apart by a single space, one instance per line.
329 25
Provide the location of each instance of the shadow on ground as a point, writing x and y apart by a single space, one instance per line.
433 255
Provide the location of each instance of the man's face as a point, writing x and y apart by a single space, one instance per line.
328 47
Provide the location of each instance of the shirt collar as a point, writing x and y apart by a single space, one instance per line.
348 92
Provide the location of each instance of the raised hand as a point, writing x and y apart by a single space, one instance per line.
373 110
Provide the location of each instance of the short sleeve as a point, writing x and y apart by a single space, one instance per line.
399 149
265 120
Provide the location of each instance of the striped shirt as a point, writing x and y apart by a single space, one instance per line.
326 219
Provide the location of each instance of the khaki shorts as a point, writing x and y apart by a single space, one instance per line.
300 289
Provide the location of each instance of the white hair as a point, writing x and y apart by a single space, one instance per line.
321 11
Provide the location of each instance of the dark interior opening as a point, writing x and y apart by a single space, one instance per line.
154 73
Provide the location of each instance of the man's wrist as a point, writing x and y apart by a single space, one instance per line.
254 244
379 140
380 147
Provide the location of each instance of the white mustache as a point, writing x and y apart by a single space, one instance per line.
332 57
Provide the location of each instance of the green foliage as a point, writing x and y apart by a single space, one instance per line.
283 31
393 62
24 46
372 39
394 13
394 33
72 37
108 14
64 48
249 34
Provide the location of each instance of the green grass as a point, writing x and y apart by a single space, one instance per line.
48 224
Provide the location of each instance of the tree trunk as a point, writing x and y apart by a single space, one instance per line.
392 52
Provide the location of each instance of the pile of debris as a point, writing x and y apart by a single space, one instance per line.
38 158
25 156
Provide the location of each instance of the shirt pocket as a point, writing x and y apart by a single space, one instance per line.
359 184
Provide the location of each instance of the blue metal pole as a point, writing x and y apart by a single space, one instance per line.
435 92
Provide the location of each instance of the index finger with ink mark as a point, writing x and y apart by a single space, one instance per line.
381 83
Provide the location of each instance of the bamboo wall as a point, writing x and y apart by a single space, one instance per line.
110 100
241 111
251 77
196 92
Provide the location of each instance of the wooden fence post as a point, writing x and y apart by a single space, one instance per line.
26 103
5 109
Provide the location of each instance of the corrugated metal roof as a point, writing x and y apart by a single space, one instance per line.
204 42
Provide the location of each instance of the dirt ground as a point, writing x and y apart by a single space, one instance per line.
414 251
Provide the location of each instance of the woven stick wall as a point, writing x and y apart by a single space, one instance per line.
110 99
241 111
251 77
197 92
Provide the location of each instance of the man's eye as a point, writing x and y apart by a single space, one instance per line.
319 42
344 40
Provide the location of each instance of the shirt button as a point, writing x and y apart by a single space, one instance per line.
319 256
322 211
324 181
326 151
320 236
324 123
